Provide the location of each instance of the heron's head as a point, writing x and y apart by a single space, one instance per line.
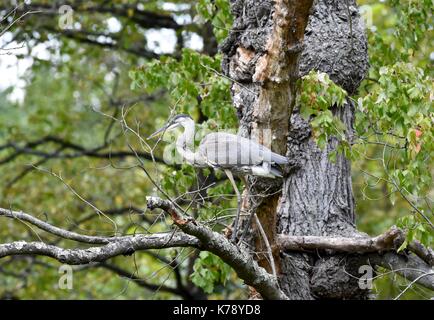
175 122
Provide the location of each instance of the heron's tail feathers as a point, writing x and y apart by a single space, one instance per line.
278 159
276 172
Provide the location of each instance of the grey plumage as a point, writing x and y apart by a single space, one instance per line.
226 151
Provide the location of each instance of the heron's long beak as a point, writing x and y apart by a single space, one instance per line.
167 127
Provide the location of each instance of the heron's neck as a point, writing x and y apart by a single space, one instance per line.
185 143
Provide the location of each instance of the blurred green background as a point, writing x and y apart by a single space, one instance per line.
71 83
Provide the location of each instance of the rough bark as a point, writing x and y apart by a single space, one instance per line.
414 265
317 197
262 56
126 246
390 240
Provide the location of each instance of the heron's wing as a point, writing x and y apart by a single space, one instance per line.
229 150
278 159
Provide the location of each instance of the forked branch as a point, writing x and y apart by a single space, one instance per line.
380 250
240 260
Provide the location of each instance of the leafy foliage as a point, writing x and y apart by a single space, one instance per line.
318 93
193 82
218 13
74 91
394 124
209 270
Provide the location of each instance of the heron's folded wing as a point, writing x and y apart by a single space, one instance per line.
229 150
278 159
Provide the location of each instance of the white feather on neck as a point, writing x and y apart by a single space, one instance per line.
185 142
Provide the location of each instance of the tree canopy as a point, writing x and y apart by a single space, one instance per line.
88 85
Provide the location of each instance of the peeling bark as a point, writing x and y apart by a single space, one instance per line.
264 55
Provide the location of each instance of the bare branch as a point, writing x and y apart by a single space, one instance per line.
56 230
111 42
240 260
381 250
390 240
126 246
144 18
426 254
30 149
408 266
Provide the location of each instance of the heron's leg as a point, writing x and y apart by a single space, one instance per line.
250 218
237 218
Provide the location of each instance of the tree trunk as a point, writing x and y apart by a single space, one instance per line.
264 55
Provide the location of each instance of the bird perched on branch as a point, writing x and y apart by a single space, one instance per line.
229 152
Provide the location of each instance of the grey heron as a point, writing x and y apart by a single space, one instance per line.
229 152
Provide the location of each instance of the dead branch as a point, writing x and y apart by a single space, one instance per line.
126 246
79 151
240 260
426 254
390 240
381 250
